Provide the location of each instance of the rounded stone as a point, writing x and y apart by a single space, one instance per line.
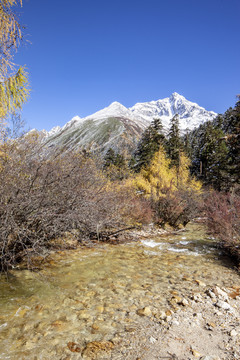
146 311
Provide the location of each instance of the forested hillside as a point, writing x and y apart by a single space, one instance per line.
214 150
197 173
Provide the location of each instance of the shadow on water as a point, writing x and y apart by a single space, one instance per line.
209 244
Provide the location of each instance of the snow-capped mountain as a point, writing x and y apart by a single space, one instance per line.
120 128
190 114
115 109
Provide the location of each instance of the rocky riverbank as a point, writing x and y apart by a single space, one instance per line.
203 325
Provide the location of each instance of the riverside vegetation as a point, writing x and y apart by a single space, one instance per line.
49 201
45 199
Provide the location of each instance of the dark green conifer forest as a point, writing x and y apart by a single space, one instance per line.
215 150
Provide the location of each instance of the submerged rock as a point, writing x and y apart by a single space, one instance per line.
195 353
146 311
73 347
92 349
200 283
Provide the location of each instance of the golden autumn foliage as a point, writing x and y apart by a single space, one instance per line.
14 88
13 93
184 179
171 191
159 176
156 177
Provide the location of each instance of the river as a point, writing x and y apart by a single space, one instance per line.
93 294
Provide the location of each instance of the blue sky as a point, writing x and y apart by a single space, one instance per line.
84 54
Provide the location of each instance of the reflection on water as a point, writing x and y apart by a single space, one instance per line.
92 294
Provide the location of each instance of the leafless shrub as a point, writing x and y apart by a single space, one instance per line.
42 199
176 207
223 219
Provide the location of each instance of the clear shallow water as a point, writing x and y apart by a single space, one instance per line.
92 294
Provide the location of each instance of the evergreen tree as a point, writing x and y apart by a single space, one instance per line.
175 145
214 157
115 165
120 161
148 145
109 158
210 154
233 141
215 150
187 144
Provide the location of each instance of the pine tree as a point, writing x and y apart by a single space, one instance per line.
187 144
115 165
154 179
174 143
149 144
109 158
210 155
215 150
233 142
173 200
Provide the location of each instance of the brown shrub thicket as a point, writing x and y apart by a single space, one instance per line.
177 207
43 198
223 219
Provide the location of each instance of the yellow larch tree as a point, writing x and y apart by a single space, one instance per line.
158 178
172 192
154 179
14 86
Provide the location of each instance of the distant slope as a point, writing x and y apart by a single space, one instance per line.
120 128
119 133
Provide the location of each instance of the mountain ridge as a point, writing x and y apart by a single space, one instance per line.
120 128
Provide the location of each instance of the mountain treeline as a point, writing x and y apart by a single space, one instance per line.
213 149
169 169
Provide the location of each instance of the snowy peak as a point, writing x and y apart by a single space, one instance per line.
114 109
120 128
190 114
176 96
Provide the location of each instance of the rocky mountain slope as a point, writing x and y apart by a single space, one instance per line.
120 128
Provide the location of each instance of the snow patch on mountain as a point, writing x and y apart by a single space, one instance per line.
191 115
113 110
54 130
